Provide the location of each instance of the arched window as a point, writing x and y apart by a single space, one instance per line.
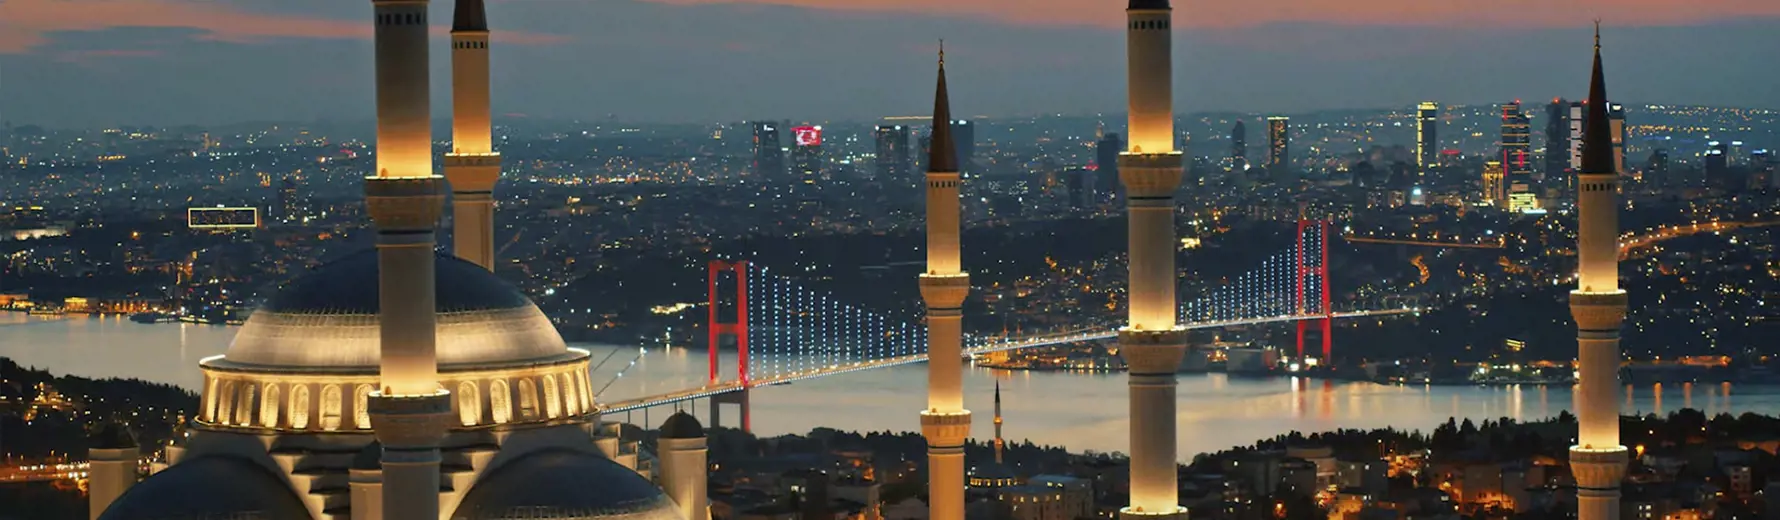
299 406
528 400
361 413
469 405
330 407
552 397
269 404
500 401
225 407
571 404
244 405
210 399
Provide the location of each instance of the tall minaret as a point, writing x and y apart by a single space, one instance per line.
409 411
1599 306
945 422
998 442
473 166
1152 343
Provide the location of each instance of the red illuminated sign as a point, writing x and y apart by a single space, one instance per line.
808 135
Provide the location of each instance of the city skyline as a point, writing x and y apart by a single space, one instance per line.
591 61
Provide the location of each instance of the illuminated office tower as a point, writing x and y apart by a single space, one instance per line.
892 144
1599 307
769 157
1238 147
806 154
1151 343
964 136
1427 142
472 167
945 423
1517 153
1616 124
1278 144
1495 188
1106 159
1557 139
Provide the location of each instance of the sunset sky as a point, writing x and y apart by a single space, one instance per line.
105 62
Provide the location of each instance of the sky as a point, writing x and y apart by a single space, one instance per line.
84 63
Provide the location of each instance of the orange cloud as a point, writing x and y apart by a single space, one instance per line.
25 23
1237 14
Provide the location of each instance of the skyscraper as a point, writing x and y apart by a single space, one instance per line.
1599 307
769 157
1557 139
1495 189
1151 343
945 423
1278 145
287 200
1106 159
892 150
1238 147
964 134
1616 122
806 154
1517 153
1427 142
472 167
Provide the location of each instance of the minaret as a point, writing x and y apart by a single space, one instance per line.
409 411
113 465
945 422
473 166
1152 343
1599 306
998 442
683 476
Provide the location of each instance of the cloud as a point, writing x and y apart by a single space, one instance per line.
28 24
1234 14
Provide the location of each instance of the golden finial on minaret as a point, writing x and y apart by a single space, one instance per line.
1597 36
942 50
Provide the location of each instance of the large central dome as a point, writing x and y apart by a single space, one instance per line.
328 320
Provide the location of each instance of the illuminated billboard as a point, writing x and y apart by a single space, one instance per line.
222 218
807 135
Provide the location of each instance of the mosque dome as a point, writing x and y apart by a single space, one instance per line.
327 320
565 484
216 486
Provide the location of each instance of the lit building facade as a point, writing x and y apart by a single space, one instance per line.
1427 137
893 155
769 154
1516 144
1495 187
1279 142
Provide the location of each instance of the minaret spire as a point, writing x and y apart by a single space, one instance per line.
998 442
472 166
1598 305
945 423
1152 343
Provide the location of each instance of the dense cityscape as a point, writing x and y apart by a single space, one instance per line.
423 315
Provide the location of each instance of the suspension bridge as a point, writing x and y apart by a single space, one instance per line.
785 332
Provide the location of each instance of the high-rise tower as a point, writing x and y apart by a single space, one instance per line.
892 142
1279 139
1427 137
1106 158
409 411
1557 139
945 422
1516 143
1238 146
769 157
1599 307
1151 343
472 167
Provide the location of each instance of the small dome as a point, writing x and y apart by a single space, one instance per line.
682 425
215 486
565 484
328 320
112 436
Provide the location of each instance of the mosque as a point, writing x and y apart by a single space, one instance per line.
403 383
